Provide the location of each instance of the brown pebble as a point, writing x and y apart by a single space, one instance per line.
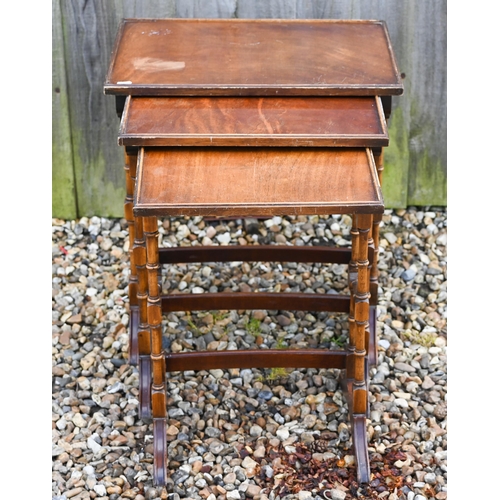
205 492
283 320
252 490
65 337
72 493
259 314
440 411
129 494
196 466
76 318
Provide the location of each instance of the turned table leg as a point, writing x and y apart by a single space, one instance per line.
355 383
143 332
374 273
158 387
130 175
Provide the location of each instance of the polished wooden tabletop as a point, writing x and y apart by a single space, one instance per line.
256 181
253 121
252 57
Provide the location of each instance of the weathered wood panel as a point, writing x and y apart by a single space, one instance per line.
204 9
63 182
86 133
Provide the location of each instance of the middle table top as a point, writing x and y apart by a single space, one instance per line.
253 121
252 57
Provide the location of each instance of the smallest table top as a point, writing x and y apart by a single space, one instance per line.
247 182
252 57
253 121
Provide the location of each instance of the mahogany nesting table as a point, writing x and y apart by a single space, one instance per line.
206 182
204 102
248 122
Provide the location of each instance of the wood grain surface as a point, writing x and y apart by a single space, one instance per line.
256 181
252 57
253 121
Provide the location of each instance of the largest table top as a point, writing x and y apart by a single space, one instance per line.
252 57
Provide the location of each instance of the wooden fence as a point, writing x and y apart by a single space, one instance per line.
87 163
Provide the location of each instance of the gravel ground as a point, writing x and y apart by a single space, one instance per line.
258 434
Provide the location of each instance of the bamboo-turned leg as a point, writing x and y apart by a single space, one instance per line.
374 274
375 233
352 274
158 388
130 174
355 382
143 333
370 337
351 346
160 276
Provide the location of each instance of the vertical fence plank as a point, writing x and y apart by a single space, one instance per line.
89 30
205 9
143 9
426 105
416 157
288 9
63 184
396 156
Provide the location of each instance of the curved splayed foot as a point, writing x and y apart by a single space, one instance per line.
160 451
360 445
133 342
144 387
